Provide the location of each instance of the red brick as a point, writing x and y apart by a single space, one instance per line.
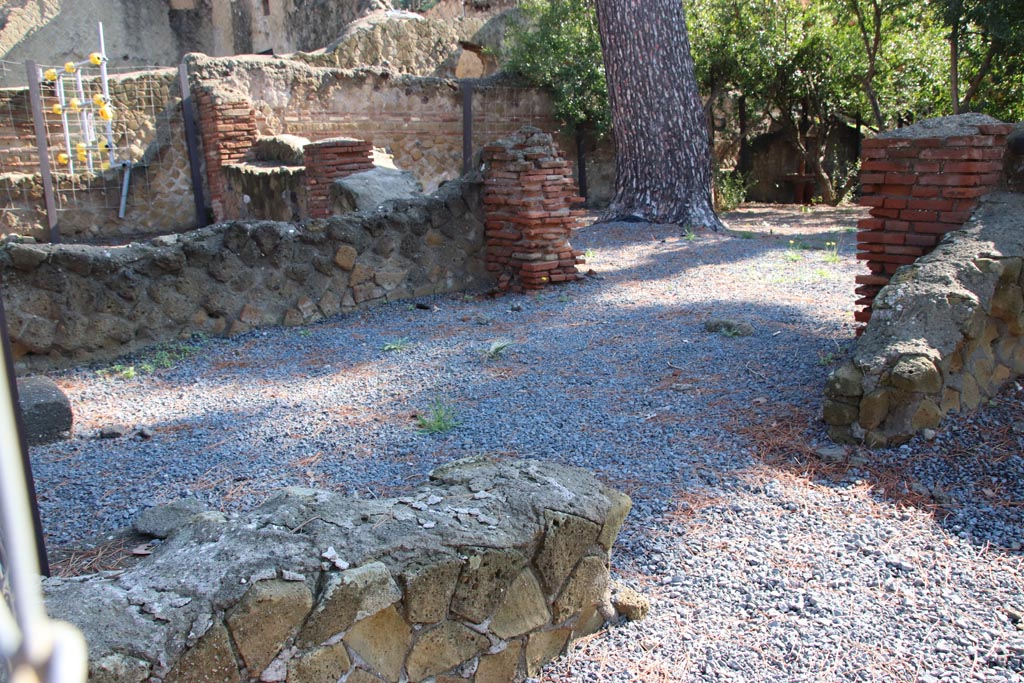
873 200
915 215
885 213
925 191
916 252
927 241
872 178
931 204
875 166
927 167
955 153
895 203
880 237
965 192
901 178
894 225
971 140
934 228
951 179
870 224
996 128
955 217
972 167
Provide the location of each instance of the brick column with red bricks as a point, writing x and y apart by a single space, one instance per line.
922 182
529 195
228 130
328 160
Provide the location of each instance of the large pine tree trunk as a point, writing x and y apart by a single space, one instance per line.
663 162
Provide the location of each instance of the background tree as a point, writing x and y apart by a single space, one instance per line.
558 47
986 42
662 160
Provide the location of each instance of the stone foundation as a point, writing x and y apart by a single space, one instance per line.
482 576
922 182
74 303
945 334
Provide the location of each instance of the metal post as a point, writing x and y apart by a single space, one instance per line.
19 423
467 126
192 143
39 122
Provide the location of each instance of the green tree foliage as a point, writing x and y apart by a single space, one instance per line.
558 47
986 55
811 66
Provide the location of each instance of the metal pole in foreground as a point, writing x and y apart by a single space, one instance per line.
16 435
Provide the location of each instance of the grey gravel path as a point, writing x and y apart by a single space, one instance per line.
766 557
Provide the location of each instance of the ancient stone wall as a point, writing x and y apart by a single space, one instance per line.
419 120
922 182
482 576
529 195
71 303
945 330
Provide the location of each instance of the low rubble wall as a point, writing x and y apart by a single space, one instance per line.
945 334
481 576
73 303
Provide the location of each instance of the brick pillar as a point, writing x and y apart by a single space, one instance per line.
529 192
328 160
228 129
919 187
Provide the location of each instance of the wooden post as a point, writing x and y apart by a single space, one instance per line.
467 126
39 123
192 143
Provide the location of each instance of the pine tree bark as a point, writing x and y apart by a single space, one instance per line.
663 161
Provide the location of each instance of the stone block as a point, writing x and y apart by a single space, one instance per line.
950 401
345 257
846 380
621 505
45 410
587 586
118 668
361 676
442 648
543 646
917 374
566 539
210 660
484 580
268 614
322 665
501 667
382 642
429 589
590 621
927 416
873 409
523 609
837 413
160 521
346 598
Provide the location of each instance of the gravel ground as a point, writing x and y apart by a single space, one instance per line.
768 554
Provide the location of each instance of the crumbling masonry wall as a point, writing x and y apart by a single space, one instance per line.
947 331
73 303
922 182
481 576
529 195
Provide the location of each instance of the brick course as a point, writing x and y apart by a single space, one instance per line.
327 161
918 190
529 195
228 131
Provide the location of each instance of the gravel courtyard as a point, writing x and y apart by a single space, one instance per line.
768 553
